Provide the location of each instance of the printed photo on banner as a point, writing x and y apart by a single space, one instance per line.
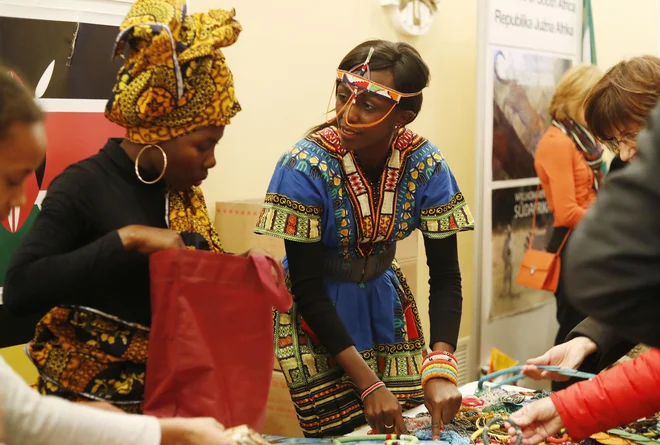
513 210
69 67
523 84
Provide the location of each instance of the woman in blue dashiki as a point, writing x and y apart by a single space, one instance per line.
352 347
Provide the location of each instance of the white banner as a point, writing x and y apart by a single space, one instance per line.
100 12
540 25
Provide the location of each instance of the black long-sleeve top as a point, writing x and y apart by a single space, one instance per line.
611 345
73 253
614 254
445 300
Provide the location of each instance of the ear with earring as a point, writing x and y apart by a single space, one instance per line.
137 164
399 129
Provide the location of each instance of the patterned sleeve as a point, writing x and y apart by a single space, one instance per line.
294 203
443 210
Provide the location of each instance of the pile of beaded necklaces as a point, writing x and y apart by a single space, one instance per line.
475 413
483 415
481 419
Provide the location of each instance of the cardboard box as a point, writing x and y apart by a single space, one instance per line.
281 419
235 222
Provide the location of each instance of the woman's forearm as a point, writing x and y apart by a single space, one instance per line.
357 369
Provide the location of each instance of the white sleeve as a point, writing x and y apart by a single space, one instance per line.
31 419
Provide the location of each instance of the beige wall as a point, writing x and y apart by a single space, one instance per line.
284 65
625 29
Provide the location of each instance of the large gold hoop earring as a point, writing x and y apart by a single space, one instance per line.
137 160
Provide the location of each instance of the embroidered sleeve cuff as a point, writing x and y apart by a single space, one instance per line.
284 218
448 219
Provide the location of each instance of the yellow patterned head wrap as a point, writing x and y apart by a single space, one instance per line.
175 79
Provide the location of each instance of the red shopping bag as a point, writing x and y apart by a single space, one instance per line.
211 341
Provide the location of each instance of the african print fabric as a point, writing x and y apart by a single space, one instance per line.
188 213
86 355
319 193
175 78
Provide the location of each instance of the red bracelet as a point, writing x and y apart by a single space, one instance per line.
371 389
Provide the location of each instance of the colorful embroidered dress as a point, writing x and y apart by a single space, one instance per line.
318 193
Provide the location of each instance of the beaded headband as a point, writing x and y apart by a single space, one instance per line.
360 82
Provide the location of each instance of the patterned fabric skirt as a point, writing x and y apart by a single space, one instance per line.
326 401
85 355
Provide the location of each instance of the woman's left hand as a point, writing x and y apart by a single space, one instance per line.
443 400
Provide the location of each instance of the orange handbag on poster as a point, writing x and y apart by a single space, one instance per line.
539 269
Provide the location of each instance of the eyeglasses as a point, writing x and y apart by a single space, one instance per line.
628 139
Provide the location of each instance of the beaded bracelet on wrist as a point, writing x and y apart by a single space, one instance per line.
440 365
371 389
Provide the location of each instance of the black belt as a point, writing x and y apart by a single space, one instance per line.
358 270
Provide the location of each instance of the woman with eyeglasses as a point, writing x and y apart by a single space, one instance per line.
615 111
621 102
352 347
568 162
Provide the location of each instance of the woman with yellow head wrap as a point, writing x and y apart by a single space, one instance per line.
85 261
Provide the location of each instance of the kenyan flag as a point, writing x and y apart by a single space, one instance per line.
69 65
